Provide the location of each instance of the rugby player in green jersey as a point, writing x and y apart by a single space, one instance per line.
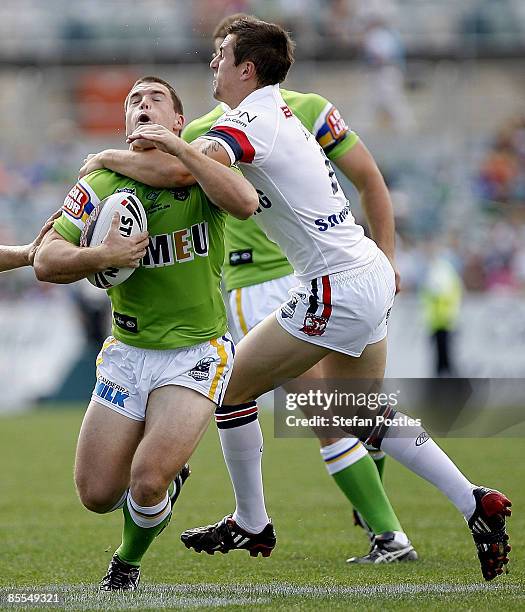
257 277
165 368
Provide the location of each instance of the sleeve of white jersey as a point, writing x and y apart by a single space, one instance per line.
245 134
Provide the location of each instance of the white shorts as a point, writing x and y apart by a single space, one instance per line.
250 305
126 375
344 311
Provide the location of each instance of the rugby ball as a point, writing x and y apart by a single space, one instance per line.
132 221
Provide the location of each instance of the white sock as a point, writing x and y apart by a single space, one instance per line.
242 449
419 453
149 516
401 537
120 502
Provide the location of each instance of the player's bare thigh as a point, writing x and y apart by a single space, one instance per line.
106 445
266 357
269 355
370 365
176 419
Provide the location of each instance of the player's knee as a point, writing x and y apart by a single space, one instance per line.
148 485
96 499
236 396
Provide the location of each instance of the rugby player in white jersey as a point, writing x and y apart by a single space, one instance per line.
347 285
258 277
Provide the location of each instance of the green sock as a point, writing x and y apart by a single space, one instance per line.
136 539
361 484
380 464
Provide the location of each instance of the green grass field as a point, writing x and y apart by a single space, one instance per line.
49 542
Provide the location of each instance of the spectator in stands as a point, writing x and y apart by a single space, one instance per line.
385 62
441 298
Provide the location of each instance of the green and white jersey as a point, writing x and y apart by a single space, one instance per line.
251 258
173 299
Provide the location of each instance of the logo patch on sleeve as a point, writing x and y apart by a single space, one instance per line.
77 202
336 123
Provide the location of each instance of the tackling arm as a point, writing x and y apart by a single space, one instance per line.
209 163
150 166
359 166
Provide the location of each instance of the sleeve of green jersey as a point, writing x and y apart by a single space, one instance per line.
203 124
82 199
67 230
345 145
323 120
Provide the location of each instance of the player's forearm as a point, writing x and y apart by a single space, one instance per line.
152 167
360 167
58 261
379 212
12 257
224 187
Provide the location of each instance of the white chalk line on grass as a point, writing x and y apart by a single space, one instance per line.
158 596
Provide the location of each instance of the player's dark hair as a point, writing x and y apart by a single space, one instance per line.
267 45
177 103
222 26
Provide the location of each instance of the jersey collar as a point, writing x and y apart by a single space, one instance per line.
260 93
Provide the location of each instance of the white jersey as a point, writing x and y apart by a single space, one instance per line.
301 204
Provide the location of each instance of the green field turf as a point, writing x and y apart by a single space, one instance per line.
48 541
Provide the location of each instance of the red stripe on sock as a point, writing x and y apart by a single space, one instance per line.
233 415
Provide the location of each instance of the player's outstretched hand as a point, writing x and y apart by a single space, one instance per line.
92 162
121 251
33 247
159 136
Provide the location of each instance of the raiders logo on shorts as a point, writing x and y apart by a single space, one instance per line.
201 370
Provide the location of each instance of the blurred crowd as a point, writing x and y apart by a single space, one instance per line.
485 244
469 208
59 27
